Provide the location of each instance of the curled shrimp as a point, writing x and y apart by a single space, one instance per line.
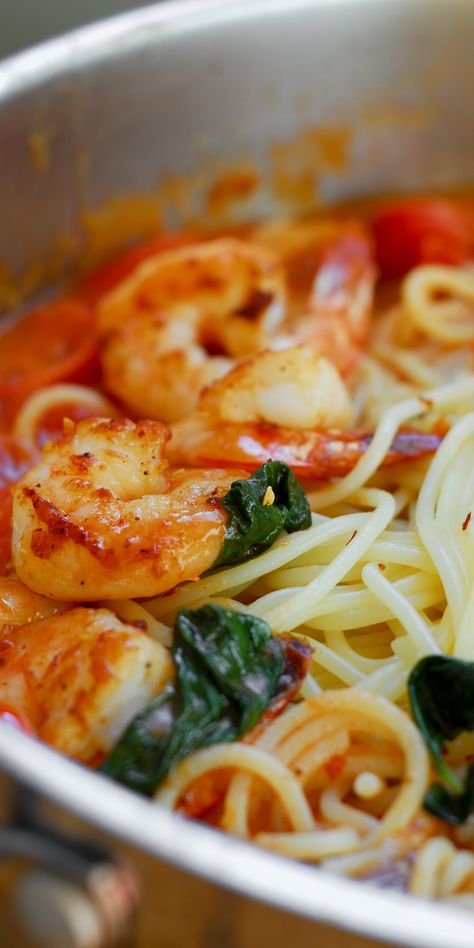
178 322
79 677
294 387
290 405
338 313
100 517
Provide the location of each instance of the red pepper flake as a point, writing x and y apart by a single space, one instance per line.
351 538
381 566
426 401
335 766
467 521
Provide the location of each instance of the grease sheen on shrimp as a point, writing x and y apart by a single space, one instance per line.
101 517
178 322
79 677
292 406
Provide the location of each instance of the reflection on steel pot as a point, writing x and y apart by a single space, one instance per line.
224 112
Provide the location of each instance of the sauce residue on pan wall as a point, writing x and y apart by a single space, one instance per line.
221 195
297 166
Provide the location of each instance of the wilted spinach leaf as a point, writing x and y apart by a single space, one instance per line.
229 670
455 808
259 508
136 758
441 691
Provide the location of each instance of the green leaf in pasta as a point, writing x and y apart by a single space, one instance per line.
229 671
455 808
441 691
259 508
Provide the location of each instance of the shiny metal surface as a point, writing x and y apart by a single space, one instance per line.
230 862
78 894
188 90
184 89
25 24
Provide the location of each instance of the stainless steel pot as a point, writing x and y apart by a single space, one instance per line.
316 99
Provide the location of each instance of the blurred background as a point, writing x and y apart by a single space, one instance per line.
25 22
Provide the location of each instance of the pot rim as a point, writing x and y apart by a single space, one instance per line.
85 44
201 850
229 862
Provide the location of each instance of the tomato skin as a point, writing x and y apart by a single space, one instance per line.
15 719
422 230
118 269
54 343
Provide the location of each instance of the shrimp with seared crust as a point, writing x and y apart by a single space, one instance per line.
78 678
100 516
178 322
286 393
291 405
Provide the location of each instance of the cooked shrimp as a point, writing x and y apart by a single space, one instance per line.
79 678
291 406
178 322
100 517
294 387
296 241
337 319
19 605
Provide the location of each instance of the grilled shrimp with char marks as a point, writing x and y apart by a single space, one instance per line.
78 678
100 517
178 322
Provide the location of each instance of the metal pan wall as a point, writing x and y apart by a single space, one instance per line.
179 93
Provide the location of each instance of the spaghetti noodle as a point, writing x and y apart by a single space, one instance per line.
333 769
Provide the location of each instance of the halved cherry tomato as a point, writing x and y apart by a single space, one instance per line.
15 459
52 344
15 719
112 273
422 230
